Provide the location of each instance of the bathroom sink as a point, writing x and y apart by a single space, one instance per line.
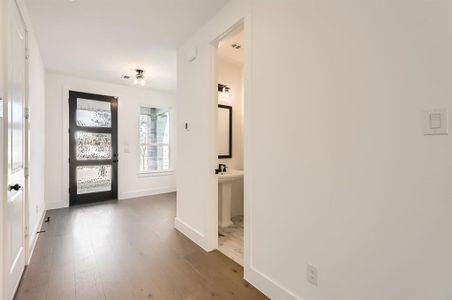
230 175
225 180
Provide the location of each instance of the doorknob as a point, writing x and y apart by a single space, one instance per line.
15 187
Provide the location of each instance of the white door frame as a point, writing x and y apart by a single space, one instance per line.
6 5
212 211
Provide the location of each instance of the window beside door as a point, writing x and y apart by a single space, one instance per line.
154 139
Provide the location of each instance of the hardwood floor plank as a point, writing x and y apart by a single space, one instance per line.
127 250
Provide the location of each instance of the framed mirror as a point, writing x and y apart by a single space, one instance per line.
224 134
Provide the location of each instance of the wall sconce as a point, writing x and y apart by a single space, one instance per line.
223 88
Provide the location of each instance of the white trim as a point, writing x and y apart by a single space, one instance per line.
33 238
7 6
147 192
121 196
190 232
268 286
64 153
56 205
171 139
155 173
16 287
261 281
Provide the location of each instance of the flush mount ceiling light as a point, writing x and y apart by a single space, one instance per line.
236 46
139 78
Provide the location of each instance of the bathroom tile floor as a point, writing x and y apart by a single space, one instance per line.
230 240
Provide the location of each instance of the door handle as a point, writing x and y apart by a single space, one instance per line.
15 187
115 160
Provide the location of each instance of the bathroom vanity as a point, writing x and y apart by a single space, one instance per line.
225 181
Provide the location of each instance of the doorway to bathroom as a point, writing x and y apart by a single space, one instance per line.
230 62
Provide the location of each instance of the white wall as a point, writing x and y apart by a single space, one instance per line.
37 145
334 151
231 74
130 184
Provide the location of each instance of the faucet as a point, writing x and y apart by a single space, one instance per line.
221 168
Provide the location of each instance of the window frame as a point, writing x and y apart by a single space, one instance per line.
170 170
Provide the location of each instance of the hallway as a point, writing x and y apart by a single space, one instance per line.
127 250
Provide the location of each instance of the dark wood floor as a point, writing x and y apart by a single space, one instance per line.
127 250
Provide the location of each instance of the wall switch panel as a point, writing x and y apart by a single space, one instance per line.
436 121
126 147
312 274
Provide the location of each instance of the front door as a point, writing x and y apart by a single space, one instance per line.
93 152
14 120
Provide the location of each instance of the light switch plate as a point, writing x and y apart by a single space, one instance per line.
436 121
312 274
126 147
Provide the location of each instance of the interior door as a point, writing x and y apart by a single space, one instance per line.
14 118
93 161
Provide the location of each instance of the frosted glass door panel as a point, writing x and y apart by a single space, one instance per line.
16 115
93 179
92 113
93 146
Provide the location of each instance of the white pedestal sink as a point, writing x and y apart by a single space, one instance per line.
225 181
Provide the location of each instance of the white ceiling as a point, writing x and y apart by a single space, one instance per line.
227 52
104 39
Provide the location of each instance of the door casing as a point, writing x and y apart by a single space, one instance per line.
13 7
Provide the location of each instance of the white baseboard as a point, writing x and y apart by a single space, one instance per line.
121 196
147 192
56 205
34 237
193 234
268 286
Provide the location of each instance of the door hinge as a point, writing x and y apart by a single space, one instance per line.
69 130
26 113
69 160
26 172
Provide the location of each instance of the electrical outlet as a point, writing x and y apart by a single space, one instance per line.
312 274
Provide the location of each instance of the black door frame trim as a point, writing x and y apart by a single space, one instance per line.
75 199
